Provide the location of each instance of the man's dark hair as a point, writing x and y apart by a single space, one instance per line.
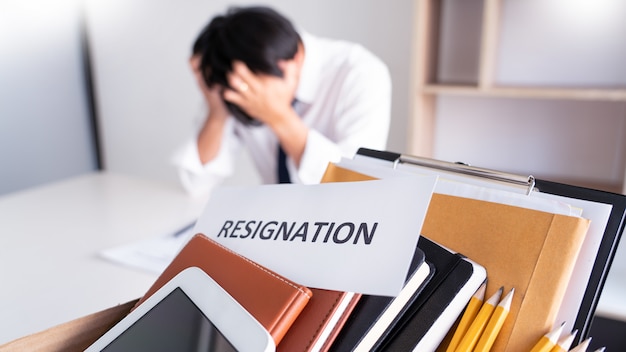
258 36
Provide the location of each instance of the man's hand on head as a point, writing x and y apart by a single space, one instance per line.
265 97
213 95
269 99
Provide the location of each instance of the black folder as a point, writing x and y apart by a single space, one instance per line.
370 308
432 312
606 252
424 325
610 239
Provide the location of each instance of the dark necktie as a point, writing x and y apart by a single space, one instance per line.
283 174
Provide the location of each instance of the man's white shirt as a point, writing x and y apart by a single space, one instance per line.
343 96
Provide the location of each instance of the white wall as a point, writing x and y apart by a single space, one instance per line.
565 43
570 141
147 97
45 129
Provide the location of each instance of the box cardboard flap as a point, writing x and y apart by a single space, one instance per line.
75 335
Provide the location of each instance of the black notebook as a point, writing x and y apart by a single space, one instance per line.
374 317
425 324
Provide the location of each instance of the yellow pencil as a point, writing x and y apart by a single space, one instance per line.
495 324
547 341
474 331
564 343
468 316
582 347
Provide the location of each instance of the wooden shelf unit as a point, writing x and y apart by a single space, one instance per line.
425 87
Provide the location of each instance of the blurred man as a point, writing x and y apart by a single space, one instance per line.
296 101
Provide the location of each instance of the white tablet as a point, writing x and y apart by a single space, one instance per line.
189 313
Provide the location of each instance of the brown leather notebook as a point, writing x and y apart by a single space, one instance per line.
272 299
320 321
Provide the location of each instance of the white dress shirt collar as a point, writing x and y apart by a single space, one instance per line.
311 69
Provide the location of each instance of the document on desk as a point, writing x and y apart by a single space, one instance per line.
152 255
353 236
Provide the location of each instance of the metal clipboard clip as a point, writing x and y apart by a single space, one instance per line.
461 168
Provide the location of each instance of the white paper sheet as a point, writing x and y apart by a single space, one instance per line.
349 236
458 186
152 255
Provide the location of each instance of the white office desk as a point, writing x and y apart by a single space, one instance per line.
50 237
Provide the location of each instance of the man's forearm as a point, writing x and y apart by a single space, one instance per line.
210 137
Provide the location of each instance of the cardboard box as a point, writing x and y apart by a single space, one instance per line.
75 335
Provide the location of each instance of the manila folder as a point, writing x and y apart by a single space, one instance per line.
530 250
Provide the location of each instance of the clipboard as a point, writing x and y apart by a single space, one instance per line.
529 185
